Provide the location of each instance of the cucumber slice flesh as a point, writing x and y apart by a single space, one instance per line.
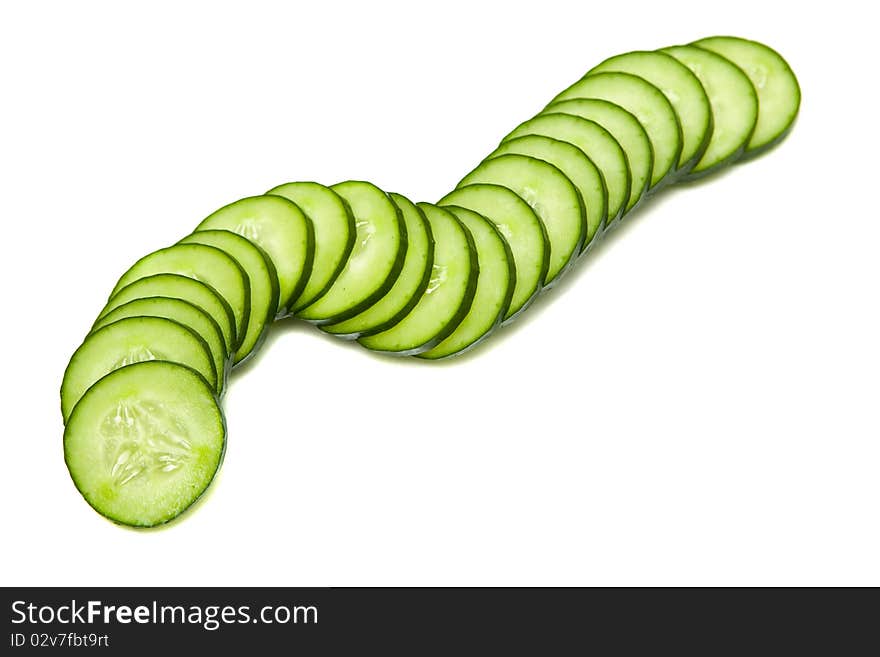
133 340
203 263
596 142
644 101
734 106
683 90
494 287
145 442
409 286
176 286
522 229
628 132
279 227
449 294
181 311
552 196
262 279
576 166
375 261
334 234
779 95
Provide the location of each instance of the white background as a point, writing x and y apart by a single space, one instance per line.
698 404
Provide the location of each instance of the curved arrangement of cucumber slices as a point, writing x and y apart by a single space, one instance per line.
144 430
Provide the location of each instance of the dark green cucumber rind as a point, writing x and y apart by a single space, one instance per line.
222 427
398 308
304 300
570 254
381 290
240 322
67 408
754 150
169 285
245 249
463 308
505 302
512 312
148 307
537 146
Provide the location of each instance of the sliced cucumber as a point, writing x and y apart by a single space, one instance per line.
779 95
375 261
596 142
145 442
628 132
734 106
180 311
133 340
279 227
262 279
576 166
494 287
522 229
203 263
644 101
176 286
409 286
681 88
334 234
448 297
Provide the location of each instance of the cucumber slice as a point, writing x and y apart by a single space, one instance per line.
334 234
596 142
279 227
644 101
375 261
262 279
552 196
779 95
409 286
203 263
628 132
681 88
133 340
576 166
145 442
734 106
494 287
522 229
180 311
448 297
176 286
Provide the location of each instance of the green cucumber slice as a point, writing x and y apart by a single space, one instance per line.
176 286
375 261
681 88
628 132
779 95
644 101
552 196
145 442
409 286
494 287
576 166
133 340
203 263
522 229
596 142
448 297
180 311
262 279
334 234
734 106
279 227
